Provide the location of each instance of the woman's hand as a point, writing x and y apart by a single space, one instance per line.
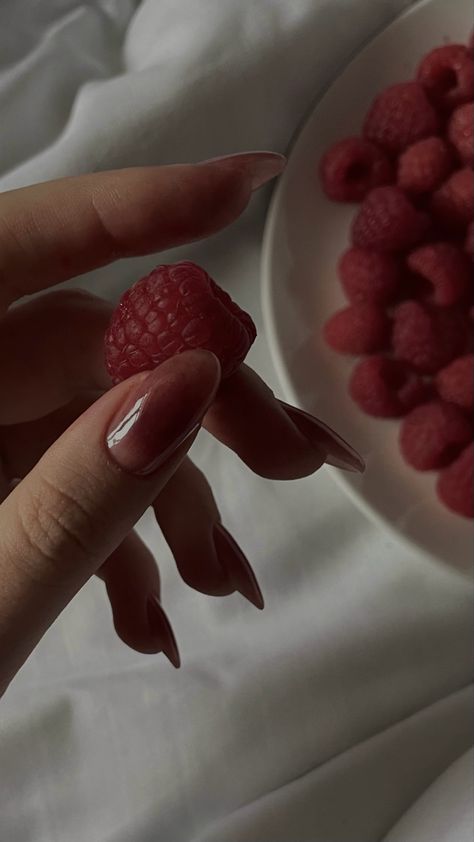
92 459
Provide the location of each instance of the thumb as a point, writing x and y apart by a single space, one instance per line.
86 493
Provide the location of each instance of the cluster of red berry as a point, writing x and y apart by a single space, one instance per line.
408 273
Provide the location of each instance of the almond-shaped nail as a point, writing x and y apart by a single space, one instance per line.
237 567
162 410
162 631
260 167
340 454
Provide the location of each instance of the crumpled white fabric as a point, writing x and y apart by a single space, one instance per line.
326 717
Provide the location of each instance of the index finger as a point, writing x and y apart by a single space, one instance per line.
53 231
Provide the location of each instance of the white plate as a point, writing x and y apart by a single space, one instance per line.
305 234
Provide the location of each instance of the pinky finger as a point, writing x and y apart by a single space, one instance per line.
132 582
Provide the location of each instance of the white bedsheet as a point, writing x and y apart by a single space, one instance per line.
326 717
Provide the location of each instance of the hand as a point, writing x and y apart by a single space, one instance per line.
80 462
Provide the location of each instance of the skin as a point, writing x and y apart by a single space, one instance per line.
72 515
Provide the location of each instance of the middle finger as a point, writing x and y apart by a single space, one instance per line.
275 440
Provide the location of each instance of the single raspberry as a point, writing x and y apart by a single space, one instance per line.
469 244
385 387
369 276
424 165
444 269
453 202
428 338
447 75
399 116
352 167
455 485
455 383
433 435
360 329
171 310
461 132
387 221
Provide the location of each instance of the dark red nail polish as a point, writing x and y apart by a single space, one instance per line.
162 410
237 567
161 630
340 454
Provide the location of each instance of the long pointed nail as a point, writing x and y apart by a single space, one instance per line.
237 567
340 454
260 167
161 629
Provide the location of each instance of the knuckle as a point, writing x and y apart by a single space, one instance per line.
56 523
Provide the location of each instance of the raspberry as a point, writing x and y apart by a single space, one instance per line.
433 435
469 244
360 329
461 131
387 221
424 165
455 485
445 269
352 167
455 383
386 388
427 339
453 202
369 276
171 310
399 116
447 74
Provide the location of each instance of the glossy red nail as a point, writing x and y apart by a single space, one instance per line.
340 454
163 410
162 631
237 567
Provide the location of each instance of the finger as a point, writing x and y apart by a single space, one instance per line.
275 440
51 349
207 557
56 230
84 496
194 548
132 582
23 445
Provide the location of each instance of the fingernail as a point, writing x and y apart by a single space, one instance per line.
237 567
339 453
161 630
162 411
260 167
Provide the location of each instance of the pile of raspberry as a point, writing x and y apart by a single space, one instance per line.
407 275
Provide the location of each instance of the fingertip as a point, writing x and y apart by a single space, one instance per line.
216 196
